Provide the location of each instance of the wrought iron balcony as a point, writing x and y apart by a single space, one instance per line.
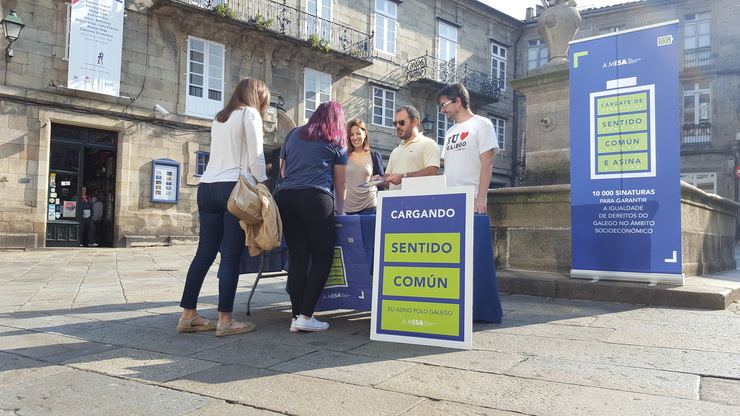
697 58
697 134
442 72
271 16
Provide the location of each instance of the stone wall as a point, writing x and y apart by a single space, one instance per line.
531 229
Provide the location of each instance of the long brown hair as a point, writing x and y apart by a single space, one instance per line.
249 92
362 126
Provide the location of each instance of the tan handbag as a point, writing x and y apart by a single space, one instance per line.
245 202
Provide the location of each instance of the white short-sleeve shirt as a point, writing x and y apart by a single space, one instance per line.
464 143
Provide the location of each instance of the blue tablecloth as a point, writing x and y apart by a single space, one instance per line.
350 284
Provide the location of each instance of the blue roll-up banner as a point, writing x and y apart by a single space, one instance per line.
625 156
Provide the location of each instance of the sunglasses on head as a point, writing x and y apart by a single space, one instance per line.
399 123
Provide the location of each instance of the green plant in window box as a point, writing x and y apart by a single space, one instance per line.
319 44
224 10
262 22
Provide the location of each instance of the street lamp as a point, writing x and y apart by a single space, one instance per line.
12 25
427 124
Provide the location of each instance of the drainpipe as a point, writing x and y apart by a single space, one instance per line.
516 165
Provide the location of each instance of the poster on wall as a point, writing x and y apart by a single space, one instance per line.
625 156
422 290
95 46
69 209
165 181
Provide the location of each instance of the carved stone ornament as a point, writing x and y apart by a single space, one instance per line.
558 25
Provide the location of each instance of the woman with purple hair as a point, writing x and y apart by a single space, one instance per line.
313 165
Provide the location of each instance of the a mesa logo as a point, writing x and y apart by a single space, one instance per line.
620 62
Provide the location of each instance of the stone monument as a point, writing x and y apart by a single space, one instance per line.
547 146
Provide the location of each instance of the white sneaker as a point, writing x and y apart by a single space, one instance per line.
95 244
292 326
310 324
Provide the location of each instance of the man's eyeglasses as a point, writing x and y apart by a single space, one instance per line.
399 123
443 105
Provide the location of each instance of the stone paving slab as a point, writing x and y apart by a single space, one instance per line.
258 354
476 360
708 363
15 369
651 337
140 365
294 394
720 391
153 339
555 329
222 408
613 377
43 346
535 397
445 408
75 393
343 367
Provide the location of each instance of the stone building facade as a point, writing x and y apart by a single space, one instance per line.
180 60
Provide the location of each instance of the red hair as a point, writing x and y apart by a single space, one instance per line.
327 124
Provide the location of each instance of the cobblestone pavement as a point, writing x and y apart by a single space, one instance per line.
92 332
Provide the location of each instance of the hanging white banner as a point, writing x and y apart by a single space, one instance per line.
96 39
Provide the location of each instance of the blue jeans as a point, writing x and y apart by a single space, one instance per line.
219 231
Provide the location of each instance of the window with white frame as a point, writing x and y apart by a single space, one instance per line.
537 54
706 181
319 19
696 30
499 125
443 124
696 102
498 64
316 90
205 78
447 52
386 21
384 107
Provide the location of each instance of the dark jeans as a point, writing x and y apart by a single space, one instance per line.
308 226
366 211
87 232
219 229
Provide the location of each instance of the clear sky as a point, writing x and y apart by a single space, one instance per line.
517 8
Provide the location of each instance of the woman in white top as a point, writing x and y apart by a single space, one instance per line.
236 149
363 165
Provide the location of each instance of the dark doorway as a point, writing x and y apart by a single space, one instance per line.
80 157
